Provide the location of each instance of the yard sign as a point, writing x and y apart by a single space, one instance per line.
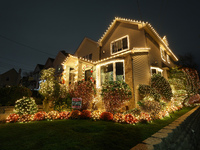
76 103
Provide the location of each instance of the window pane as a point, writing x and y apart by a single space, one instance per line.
87 75
153 71
119 71
125 44
106 73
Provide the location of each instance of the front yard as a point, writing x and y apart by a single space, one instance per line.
79 134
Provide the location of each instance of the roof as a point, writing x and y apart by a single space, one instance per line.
147 27
9 71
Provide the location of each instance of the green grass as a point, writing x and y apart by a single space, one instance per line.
78 134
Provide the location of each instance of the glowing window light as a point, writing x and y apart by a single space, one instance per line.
162 53
158 70
168 59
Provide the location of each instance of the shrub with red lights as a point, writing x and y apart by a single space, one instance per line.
194 99
40 116
114 94
83 89
64 115
145 117
118 117
107 116
85 114
53 115
12 118
25 118
130 119
75 114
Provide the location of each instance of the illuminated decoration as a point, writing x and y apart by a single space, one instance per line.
118 117
64 115
141 24
86 68
52 115
25 106
96 115
119 45
25 118
40 116
12 118
145 116
130 119
156 70
168 59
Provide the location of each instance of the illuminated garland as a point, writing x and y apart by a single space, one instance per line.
118 117
130 119
96 115
83 72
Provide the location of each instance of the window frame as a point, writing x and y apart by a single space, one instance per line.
157 70
163 54
120 39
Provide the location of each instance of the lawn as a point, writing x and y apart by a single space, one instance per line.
78 134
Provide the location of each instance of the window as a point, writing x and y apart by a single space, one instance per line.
87 75
120 44
113 71
163 54
168 59
89 57
156 70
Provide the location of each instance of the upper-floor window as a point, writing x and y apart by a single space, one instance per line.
119 45
168 59
89 56
163 54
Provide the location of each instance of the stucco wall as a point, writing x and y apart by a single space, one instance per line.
136 37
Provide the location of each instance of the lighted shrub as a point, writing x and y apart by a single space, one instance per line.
25 118
84 90
194 99
145 117
107 116
85 114
75 114
114 94
130 119
96 115
12 118
161 86
53 115
146 90
40 116
118 117
64 115
26 105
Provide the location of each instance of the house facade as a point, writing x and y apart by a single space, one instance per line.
129 50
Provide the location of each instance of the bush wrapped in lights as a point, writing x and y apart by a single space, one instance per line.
64 115
130 119
145 117
40 116
107 116
75 114
85 114
96 115
25 118
194 99
12 118
26 105
85 90
115 94
53 115
118 117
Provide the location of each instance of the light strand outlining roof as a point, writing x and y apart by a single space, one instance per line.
138 22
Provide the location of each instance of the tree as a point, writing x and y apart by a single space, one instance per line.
49 87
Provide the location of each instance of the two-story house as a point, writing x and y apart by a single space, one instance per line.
129 50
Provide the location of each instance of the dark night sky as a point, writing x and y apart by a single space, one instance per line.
33 30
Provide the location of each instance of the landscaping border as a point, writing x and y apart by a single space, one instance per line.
180 134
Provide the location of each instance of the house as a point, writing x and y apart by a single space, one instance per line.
10 78
36 75
49 63
129 50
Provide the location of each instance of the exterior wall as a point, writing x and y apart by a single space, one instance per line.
87 47
11 78
141 72
58 61
136 37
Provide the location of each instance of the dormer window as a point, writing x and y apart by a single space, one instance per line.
119 45
163 54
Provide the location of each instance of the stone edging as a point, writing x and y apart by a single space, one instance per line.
160 136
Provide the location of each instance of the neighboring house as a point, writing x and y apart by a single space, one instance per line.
10 78
36 75
129 50
49 63
57 64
